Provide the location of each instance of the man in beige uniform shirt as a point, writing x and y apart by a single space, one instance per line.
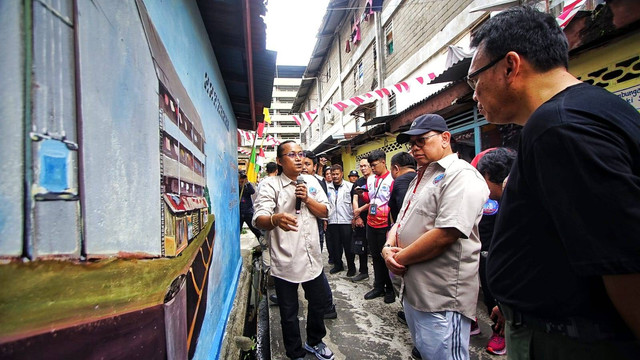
435 242
294 247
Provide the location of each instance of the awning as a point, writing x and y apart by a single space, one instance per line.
379 120
455 72
179 204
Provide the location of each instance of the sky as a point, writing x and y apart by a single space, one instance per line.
292 26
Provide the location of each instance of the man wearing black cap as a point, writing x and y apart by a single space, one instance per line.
435 244
353 176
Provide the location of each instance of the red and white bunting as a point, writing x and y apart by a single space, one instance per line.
381 93
244 151
569 11
309 115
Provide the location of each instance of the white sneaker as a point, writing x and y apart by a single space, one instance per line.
321 351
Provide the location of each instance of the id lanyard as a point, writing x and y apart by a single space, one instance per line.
375 196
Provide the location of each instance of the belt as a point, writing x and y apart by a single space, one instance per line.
573 327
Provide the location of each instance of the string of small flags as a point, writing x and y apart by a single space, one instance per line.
309 117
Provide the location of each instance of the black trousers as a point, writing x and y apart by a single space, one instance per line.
376 237
340 235
314 292
246 217
361 233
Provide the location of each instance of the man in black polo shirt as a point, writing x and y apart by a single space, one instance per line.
564 262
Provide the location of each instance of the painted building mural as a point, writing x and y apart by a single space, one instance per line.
119 231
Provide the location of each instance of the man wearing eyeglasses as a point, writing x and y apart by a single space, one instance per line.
434 243
564 262
294 248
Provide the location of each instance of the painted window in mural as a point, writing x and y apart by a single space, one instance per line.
183 176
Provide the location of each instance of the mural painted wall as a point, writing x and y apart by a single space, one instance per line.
195 63
129 216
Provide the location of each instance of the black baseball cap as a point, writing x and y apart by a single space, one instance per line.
423 124
353 173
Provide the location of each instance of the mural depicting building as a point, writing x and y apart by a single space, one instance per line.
119 205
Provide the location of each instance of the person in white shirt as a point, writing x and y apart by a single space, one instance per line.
340 217
295 249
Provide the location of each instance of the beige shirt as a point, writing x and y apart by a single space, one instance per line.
450 194
295 255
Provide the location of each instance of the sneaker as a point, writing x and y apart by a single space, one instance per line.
389 297
321 351
416 354
360 277
475 329
351 272
496 345
331 314
401 317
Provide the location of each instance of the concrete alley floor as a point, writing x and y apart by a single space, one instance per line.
366 329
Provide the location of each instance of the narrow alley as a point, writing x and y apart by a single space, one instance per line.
364 329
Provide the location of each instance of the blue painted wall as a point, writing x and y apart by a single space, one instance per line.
181 29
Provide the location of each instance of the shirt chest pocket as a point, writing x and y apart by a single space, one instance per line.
428 200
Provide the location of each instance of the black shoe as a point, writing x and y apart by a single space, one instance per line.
374 294
389 297
331 314
351 272
401 317
336 270
274 299
360 277
416 354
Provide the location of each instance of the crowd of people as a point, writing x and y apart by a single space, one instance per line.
548 230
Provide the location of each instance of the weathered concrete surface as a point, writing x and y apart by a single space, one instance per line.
366 329
236 321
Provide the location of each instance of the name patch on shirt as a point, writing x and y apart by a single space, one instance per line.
490 207
438 179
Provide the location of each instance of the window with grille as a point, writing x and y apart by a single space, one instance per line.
388 35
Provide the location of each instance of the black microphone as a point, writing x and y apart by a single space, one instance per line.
299 180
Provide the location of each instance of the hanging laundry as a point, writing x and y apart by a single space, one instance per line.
347 49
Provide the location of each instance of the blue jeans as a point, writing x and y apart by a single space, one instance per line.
315 293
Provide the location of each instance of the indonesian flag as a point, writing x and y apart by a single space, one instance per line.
569 11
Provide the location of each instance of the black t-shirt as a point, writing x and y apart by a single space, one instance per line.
400 187
361 182
571 210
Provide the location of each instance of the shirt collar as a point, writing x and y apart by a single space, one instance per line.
446 161
284 180
383 176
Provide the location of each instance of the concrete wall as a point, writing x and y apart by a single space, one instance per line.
12 128
120 136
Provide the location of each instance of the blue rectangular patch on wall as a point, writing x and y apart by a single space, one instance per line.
54 159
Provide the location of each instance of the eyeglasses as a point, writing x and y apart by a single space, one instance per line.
473 83
419 141
292 155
